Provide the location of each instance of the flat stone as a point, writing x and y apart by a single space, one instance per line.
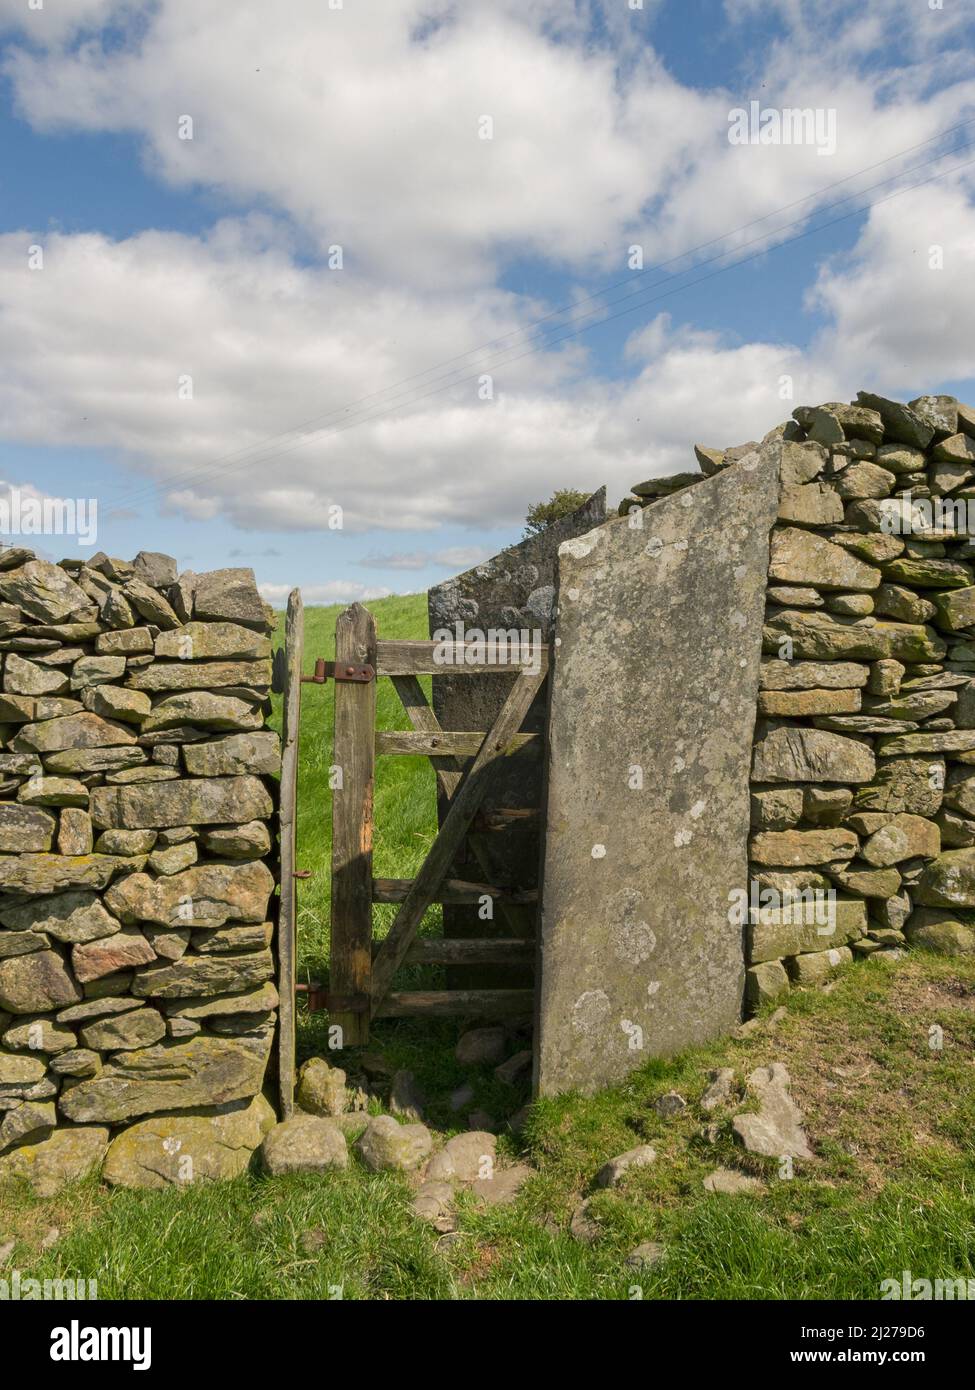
239 753
150 604
815 504
250 841
96 670
23 677
583 1226
75 834
406 1100
803 926
59 1158
816 966
955 608
135 641
33 1118
786 753
203 709
208 641
912 784
205 896
940 932
20 1071
71 917
647 1254
950 741
50 873
136 1028
94 760
865 882
96 1008
940 412
924 573
116 702
896 601
905 837
196 801
502 1187
385 1144
719 1092
305 1144
230 595
25 830
177 1150
799 704
613 1172
155 569
256 936
776 1130
169 1076
53 791
819 636
80 1062
125 842
92 960
43 591
733 1184
251 1007
949 881
958 448
174 859
864 480
812 675
38 1033
434 1202
36 983
203 975
75 731
901 423
187 676
765 981
802 557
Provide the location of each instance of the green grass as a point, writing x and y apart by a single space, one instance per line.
892 1187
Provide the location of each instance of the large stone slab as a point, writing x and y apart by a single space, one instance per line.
514 590
169 1076
177 1150
648 804
207 895
194 801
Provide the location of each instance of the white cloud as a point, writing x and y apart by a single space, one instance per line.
336 591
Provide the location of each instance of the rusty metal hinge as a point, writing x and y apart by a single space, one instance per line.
356 675
320 998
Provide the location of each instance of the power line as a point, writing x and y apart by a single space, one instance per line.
546 339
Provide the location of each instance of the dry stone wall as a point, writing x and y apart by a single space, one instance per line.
863 774
136 858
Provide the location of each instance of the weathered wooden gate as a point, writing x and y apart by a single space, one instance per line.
362 970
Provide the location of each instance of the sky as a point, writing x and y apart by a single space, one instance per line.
337 290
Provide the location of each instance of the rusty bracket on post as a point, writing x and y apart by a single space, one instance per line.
320 999
354 675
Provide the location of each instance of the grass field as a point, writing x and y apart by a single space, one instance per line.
891 1119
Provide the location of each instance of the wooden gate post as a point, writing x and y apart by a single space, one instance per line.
287 915
352 812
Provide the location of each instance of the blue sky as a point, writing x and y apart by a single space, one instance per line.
168 259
